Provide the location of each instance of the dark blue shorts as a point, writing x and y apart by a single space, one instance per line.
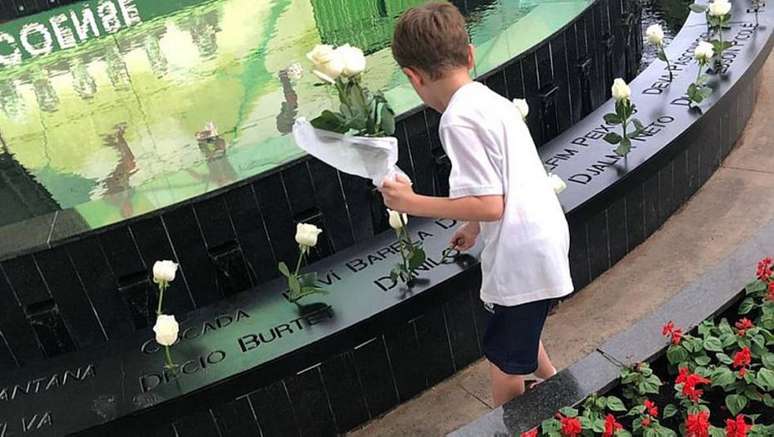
512 337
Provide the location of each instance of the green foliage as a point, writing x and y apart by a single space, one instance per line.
360 112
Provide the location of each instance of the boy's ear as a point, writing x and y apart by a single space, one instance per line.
414 76
471 56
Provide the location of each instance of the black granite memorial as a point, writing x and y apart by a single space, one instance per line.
250 360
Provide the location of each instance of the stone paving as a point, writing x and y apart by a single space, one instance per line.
728 210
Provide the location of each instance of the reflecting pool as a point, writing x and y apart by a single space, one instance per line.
116 108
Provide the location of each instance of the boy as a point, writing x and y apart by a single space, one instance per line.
497 185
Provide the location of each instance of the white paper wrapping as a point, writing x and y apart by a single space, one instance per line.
369 157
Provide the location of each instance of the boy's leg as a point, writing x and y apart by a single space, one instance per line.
504 386
545 368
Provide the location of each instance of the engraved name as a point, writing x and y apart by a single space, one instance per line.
46 383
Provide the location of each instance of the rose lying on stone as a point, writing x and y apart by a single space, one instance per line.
655 34
166 329
557 183
703 52
719 8
621 90
395 219
164 271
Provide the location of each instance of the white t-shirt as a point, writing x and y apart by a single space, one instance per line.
525 254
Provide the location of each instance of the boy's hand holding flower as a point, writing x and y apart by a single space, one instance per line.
398 194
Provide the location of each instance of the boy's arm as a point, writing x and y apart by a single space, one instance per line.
399 195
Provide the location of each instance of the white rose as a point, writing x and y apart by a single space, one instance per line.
164 271
328 63
295 71
655 34
703 52
621 90
306 234
719 8
522 106
557 183
353 58
166 329
395 217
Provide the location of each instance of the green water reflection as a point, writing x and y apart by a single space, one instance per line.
100 105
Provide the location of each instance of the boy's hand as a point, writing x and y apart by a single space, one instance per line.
398 194
465 237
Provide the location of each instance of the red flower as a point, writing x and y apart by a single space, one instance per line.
651 407
743 325
689 382
743 358
531 433
611 426
571 426
737 427
764 271
669 330
645 422
771 290
742 372
697 425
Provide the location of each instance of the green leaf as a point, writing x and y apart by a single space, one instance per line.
638 124
615 404
723 358
661 56
755 287
283 268
669 411
722 377
735 403
768 400
331 121
702 360
623 433
612 119
308 279
294 285
598 426
700 9
705 92
768 360
713 344
569 412
676 355
388 120
550 425
714 431
613 138
624 148
728 340
418 257
765 379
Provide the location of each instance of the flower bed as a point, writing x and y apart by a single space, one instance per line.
717 380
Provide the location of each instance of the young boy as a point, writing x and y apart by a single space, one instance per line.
497 185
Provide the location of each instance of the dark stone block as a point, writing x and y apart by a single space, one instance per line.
101 287
233 273
297 180
376 377
496 82
24 277
46 321
344 392
573 83
404 150
167 430
561 79
666 192
421 154
77 312
435 359
274 206
617 232
214 223
153 243
480 317
195 264
310 403
236 418
579 257
514 80
329 195
599 244
200 424
357 192
251 233
403 348
680 180
121 252
141 300
274 411
650 192
15 330
461 326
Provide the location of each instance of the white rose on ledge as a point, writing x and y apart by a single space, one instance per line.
328 63
353 59
395 219
557 183
703 52
306 234
719 8
166 329
522 106
621 90
655 34
164 271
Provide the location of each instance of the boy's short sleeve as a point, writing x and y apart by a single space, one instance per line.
472 172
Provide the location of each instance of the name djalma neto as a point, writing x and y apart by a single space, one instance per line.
67 30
